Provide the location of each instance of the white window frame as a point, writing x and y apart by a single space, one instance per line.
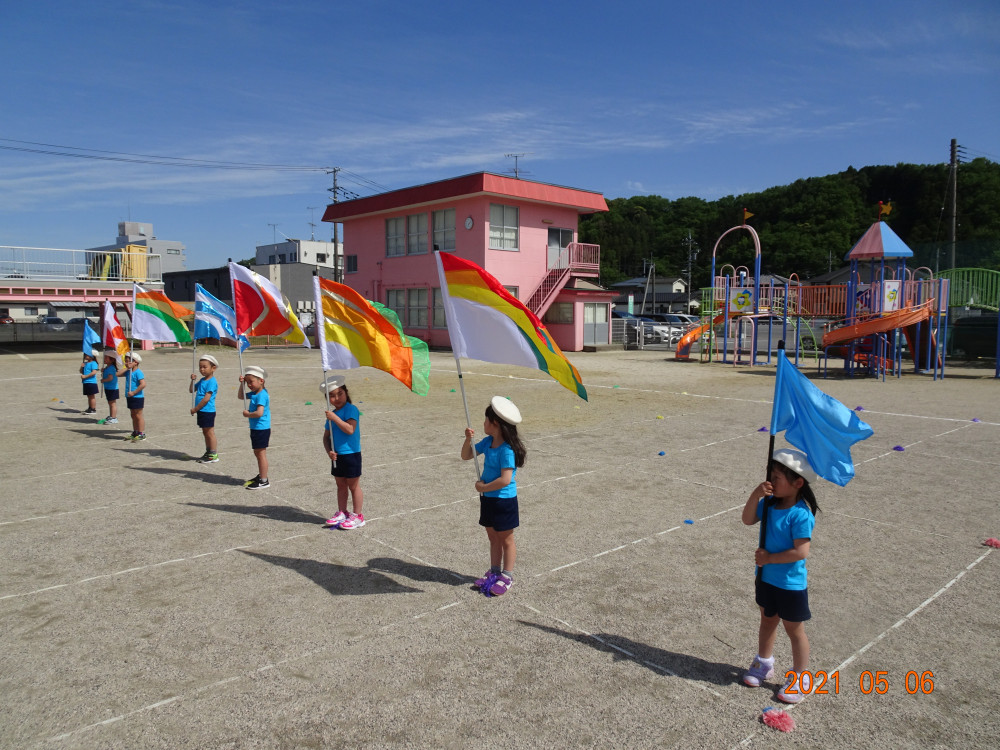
395 237
444 229
395 300
504 228
416 307
416 234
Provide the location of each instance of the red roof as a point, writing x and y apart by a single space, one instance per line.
480 183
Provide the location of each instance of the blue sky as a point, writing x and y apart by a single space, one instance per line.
628 98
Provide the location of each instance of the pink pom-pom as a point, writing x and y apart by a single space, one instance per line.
992 542
778 719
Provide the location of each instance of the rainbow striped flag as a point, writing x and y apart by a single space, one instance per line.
485 322
156 318
354 332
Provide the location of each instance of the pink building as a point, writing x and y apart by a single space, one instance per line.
524 233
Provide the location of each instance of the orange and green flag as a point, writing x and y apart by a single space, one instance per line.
354 332
156 318
486 322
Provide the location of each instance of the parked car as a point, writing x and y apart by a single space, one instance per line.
52 323
974 336
6 320
632 327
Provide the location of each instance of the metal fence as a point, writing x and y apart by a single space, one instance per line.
132 263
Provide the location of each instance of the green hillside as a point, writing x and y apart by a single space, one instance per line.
808 226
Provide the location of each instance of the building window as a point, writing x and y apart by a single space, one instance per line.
444 229
281 258
416 234
321 257
503 227
395 237
173 251
513 290
439 321
416 308
292 257
272 259
559 312
30 311
352 264
395 300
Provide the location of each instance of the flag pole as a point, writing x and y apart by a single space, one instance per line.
770 458
468 420
194 348
320 334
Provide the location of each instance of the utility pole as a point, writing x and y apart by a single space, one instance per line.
274 232
692 253
954 190
338 262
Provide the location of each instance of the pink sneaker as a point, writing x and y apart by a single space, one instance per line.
354 521
336 520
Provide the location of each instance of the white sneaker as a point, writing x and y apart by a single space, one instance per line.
338 518
354 521
111 420
760 670
799 684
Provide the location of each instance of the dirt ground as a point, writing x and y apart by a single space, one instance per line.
148 601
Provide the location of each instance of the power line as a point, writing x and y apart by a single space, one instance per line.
169 161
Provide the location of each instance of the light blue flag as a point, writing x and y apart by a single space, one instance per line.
214 319
815 423
91 339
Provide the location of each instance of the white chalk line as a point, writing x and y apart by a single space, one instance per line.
246 675
881 636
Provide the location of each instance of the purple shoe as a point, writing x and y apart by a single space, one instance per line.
480 582
500 586
488 582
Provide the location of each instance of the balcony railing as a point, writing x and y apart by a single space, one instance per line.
24 265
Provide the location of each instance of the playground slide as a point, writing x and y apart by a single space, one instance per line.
683 352
904 318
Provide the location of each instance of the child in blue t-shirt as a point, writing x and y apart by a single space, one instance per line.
109 379
135 396
204 392
88 374
789 506
259 414
503 454
342 441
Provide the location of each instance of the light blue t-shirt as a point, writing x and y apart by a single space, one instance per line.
784 526
342 442
260 398
132 378
494 460
207 385
110 377
90 370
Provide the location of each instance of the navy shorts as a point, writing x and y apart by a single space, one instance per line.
90 389
790 605
135 403
111 395
259 439
347 465
206 419
498 513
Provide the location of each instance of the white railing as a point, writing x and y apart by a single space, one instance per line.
51 264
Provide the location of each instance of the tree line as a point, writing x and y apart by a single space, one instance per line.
806 227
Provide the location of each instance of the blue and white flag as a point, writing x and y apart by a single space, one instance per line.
214 319
91 338
815 423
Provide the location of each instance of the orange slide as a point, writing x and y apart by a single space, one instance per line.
683 352
905 318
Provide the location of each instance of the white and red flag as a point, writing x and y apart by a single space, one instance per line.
261 308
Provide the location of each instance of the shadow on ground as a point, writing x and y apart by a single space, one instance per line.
273 512
339 580
656 659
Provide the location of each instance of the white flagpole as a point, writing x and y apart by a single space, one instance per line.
318 322
194 348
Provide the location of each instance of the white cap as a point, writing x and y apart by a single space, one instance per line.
797 462
111 353
209 358
333 382
506 410
135 357
257 372
94 353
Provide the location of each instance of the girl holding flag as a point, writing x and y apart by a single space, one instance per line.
787 507
342 441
